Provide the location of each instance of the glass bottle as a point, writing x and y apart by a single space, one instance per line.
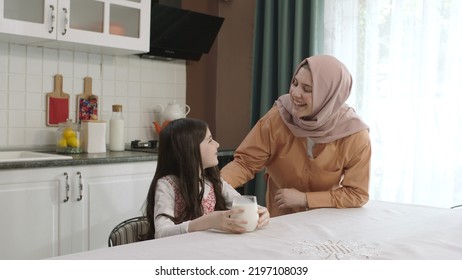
116 129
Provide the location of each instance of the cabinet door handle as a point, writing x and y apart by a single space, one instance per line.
52 19
67 187
66 21
80 186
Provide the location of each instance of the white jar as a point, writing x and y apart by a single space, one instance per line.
93 136
116 130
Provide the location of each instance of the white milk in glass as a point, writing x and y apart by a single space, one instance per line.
250 214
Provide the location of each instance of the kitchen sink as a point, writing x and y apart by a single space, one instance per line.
14 156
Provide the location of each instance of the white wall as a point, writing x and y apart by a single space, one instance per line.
26 75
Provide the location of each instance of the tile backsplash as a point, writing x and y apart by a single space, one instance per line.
27 75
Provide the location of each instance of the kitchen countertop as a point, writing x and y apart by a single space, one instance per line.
95 158
84 159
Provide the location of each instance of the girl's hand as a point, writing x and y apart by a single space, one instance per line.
221 220
264 216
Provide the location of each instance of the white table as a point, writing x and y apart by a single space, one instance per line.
378 230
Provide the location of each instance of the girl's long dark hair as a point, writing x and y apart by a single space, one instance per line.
179 155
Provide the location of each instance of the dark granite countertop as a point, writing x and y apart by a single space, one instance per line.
83 159
224 155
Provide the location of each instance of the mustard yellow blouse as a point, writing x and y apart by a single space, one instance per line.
336 175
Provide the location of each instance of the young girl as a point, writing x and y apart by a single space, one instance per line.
187 193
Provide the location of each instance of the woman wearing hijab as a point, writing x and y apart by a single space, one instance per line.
315 150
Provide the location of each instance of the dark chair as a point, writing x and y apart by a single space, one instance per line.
129 231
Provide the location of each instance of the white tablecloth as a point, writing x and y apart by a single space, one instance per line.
378 230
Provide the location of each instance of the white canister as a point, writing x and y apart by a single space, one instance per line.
94 136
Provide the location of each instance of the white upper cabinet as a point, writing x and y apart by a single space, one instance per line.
100 26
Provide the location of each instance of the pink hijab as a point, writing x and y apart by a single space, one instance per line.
331 118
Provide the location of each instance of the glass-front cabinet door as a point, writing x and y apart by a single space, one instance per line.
110 26
119 23
28 20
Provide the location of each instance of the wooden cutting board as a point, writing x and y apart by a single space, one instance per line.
57 103
87 102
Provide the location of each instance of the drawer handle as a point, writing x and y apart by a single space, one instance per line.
67 187
80 186
52 18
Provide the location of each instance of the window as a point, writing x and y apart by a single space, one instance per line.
406 61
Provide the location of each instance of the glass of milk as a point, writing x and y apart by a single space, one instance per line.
250 214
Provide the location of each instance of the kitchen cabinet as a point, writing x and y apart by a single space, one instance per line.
47 212
29 213
102 26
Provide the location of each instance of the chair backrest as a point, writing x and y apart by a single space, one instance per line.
129 231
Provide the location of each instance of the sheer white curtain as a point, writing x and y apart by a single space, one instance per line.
406 60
